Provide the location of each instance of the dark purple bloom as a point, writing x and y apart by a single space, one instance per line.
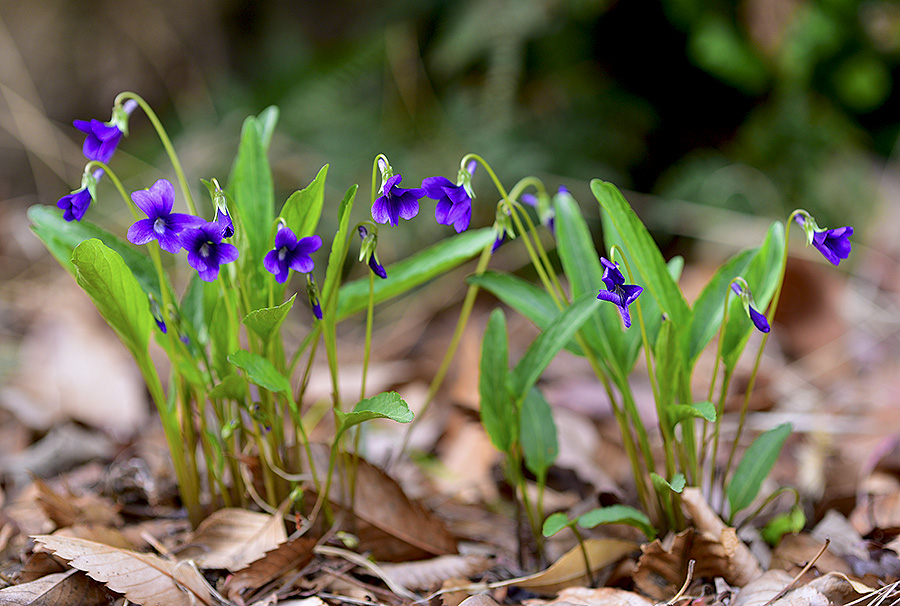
617 291
291 253
377 267
498 242
759 320
76 203
101 141
161 223
454 202
206 251
312 293
223 219
834 244
396 203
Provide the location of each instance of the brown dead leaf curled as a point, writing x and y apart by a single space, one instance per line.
569 570
743 566
479 600
426 574
68 509
233 538
70 588
601 596
829 590
142 578
291 555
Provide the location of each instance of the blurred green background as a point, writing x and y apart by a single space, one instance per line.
758 106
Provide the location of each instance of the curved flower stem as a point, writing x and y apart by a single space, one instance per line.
720 408
167 144
770 317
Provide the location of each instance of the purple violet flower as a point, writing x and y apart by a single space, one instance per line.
454 202
759 320
834 244
396 203
206 251
290 253
617 291
101 141
76 203
161 223
377 267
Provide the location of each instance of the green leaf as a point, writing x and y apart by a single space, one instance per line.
755 466
553 524
264 322
553 338
250 185
387 405
222 337
662 485
669 364
103 275
301 212
61 237
538 434
232 387
643 252
618 514
581 265
498 411
762 276
709 308
697 410
414 270
260 371
784 523
266 122
335 267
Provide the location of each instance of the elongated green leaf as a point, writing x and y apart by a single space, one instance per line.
529 300
302 210
61 237
669 364
762 276
414 271
755 466
266 321
644 252
581 265
266 122
250 186
498 412
260 371
554 523
543 349
387 405
662 485
538 431
618 514
709 308
103 275
697 410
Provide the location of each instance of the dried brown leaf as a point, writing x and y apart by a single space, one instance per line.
69 509
479 600
294 554
40 564
569 570
602 596
795 550
233 538
70 588
761 590
426 574
143 578
743 566
393 528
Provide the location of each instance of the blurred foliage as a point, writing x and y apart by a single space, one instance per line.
757 105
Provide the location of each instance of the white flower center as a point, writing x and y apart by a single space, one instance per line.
159 226
204 250
282 253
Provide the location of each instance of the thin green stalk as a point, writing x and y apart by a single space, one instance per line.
167 144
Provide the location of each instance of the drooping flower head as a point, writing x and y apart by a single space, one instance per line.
290 253
743 291
161 223
220 203
367 250
617 292
454 202
312 293
76 203
502 227
206 251
541 204
395 202
103 137
156 312
834 244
